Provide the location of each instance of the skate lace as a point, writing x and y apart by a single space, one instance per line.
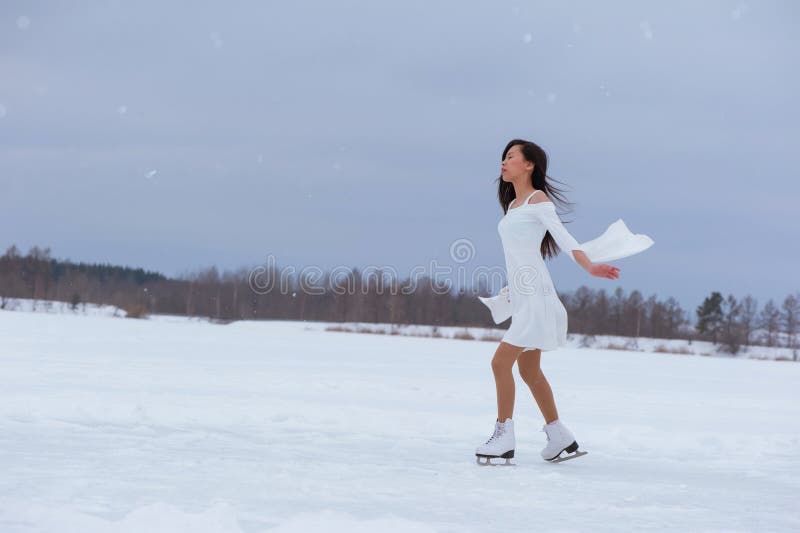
498 432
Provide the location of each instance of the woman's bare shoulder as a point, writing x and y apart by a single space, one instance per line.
539 198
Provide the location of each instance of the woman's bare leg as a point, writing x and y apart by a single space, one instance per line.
531 372
502 363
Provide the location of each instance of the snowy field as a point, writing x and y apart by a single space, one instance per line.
170 424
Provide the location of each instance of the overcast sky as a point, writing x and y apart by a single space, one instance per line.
174 136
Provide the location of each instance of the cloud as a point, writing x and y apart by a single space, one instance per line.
326 114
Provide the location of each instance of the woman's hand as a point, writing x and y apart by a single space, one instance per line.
602 270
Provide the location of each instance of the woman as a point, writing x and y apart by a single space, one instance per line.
538 318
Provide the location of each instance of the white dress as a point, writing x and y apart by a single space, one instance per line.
538 318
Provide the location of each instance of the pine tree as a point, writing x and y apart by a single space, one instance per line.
709 316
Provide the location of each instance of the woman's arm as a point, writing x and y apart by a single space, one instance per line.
601 270
568 243
580 257
564 239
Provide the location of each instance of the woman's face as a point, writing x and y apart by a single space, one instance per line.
515 166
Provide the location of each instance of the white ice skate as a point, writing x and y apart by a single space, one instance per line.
559 439
500 445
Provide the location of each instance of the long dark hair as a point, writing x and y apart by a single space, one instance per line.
533 153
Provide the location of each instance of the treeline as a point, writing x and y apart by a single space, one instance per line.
733 323
595 312
38 276
351 295
729 323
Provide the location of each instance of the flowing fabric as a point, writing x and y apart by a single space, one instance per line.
538 318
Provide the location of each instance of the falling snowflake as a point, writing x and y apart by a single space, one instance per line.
738 11
2 110
647 31
527 38
260 158
216 39
23 22
551 98
150 174
122 109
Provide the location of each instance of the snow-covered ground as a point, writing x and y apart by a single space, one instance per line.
28 305
577 341
169 424
613 342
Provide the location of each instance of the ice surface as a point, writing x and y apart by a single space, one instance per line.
170 424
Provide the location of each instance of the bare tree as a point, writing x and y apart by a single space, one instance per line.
617 310
600 320
770 321
580 305
731 330
748 317
634 306
790 316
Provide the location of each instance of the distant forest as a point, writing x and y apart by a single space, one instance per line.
727 321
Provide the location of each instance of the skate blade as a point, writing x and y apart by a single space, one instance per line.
488 461
560 459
